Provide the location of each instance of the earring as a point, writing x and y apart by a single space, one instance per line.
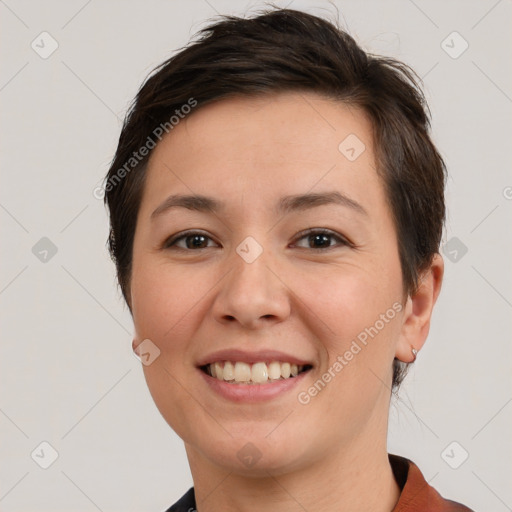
414 353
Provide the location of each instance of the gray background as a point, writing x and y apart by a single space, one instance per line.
68 376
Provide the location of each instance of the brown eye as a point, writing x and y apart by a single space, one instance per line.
321 239
196 241
191 240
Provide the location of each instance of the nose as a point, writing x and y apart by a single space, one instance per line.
252 294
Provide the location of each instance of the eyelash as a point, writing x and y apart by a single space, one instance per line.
171 242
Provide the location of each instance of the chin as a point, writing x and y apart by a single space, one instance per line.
254 455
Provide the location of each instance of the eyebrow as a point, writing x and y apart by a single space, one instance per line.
286 204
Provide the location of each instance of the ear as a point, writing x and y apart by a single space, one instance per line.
418 311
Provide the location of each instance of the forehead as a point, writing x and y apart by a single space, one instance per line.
277 122
256 146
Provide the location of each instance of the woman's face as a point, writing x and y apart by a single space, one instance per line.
271 275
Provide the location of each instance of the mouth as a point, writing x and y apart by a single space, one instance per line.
239 372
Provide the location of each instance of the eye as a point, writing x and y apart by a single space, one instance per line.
190 239
315 239
321 239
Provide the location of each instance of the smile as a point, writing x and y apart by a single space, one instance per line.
258 373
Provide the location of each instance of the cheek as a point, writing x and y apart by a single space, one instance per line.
357 317
357 313
162 300
167 306
349 299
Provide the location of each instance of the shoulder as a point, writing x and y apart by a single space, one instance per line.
417 495
187 503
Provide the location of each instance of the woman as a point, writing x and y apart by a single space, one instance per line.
276 208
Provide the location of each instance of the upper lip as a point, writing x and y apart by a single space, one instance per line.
260 356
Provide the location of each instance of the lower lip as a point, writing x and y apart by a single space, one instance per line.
252 392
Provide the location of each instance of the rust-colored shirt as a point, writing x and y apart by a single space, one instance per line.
416 496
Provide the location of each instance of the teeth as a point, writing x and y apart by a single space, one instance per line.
242 372
216 370
285 370
228 372
258 373
274 370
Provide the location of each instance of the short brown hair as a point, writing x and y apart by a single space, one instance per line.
288 50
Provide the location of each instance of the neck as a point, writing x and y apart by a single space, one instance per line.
356 478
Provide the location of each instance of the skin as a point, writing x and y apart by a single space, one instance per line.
295 297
